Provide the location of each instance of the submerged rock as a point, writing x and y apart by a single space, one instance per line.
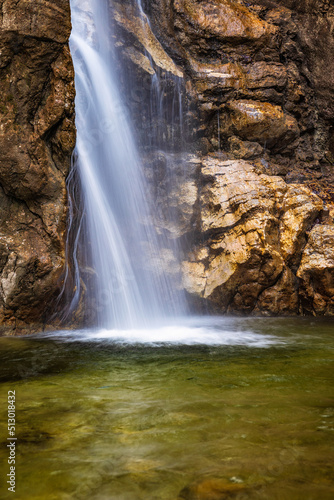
211 489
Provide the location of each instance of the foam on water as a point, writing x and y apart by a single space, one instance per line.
208 331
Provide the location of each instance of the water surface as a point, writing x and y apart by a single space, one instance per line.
103 415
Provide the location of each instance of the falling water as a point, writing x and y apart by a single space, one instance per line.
121 246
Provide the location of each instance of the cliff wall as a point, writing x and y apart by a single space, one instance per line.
37 137
250 180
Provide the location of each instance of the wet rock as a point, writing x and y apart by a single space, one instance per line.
174 190
254 95
281 299
283 60
126 16
265 69
264 75
212 78
248 80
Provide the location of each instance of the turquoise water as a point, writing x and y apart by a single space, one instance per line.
99 415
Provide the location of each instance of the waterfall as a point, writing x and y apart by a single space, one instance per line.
120 250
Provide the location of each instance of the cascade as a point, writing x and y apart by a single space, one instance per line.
116 242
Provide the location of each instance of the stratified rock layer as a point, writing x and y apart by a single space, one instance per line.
37 138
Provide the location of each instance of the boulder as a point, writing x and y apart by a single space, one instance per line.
260 122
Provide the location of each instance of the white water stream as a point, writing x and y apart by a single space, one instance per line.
122 247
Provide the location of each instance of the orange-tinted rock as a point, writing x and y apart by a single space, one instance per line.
261 122
226 19
300 209
211 78
264 75
217 77
244 149
258 80
126 16
280 299
234 189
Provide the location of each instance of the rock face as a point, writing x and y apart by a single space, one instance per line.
254 229
37 137
250 204
316 271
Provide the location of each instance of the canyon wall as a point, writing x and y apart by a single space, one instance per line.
37 137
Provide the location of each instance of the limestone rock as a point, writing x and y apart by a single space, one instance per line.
300 208
316 272
264 75
44 19
281 299
254 228
233 189
211 78
252 94
175 191
126 16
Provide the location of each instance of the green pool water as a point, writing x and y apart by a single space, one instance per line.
102 418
